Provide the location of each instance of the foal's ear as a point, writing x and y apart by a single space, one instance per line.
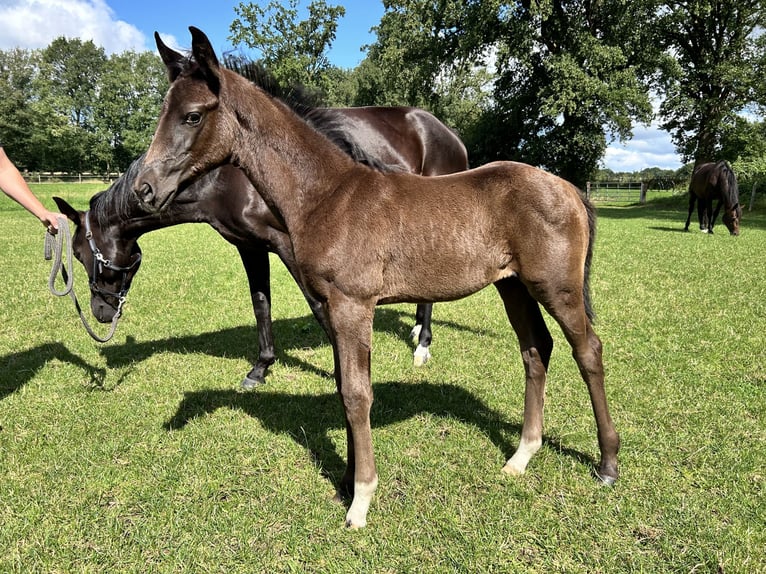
68 210
206 59
173 60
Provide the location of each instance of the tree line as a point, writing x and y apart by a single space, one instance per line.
546 82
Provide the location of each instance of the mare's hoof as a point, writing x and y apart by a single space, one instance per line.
421 356
249 384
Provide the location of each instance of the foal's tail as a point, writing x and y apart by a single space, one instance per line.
591 211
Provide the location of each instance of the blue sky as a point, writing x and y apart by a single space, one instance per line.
174 18
119 25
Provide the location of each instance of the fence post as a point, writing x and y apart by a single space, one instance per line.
752 198
644 187
587 190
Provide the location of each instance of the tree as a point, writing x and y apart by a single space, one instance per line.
67 86
567 73
711 69
294 52
18 69
127 109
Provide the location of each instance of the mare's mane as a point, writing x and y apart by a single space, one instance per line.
118 200
729 190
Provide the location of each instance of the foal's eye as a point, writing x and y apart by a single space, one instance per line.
193 118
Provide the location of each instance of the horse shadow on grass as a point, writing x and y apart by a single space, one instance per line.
242 342
296 416
17 369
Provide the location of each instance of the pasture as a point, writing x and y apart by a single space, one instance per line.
141 455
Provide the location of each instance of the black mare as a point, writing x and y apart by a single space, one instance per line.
714 180
398 138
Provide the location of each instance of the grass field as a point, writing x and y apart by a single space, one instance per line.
141 456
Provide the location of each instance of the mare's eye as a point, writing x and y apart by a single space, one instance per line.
193 118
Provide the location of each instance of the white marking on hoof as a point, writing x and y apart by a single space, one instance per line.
356 517
422 354
415 334
517 464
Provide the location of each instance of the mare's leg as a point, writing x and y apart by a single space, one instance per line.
715 214
692 199
564 302
536 345
256 262
701 215
421 333
351 324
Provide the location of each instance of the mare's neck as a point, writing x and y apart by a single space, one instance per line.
120 208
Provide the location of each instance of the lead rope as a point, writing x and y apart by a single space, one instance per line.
54 250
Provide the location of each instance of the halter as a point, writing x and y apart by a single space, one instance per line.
54 246
100 262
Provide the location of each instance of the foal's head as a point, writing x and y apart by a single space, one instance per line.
191 134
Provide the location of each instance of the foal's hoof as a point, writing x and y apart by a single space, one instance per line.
604 478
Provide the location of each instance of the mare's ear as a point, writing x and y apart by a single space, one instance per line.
68 210
173 60
206 59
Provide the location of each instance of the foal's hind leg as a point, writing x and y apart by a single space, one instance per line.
569 312
536 346
421 334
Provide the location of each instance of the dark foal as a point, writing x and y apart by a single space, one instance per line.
399 138
714 181
527 232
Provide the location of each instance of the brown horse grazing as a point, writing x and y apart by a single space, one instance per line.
526 231
402 138
715 181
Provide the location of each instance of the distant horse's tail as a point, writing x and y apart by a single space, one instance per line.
591 211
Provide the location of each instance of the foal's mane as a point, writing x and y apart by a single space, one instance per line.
306 105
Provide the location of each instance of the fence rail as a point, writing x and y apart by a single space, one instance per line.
34 177
617 192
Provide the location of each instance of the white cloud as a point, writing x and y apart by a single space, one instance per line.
36 23
649 147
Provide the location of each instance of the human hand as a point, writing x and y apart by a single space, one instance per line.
50 220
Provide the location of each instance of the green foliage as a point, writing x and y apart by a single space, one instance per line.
566 73
69 107
141 456
711 70
295 52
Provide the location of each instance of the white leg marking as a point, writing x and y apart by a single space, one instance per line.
356 517
517 464
415 334
422 354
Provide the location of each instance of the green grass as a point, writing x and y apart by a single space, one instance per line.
141 456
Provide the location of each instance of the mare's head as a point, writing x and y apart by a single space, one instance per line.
110 260
190 137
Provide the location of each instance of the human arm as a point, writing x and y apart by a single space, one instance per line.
14 186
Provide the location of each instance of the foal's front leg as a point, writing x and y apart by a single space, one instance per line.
351 324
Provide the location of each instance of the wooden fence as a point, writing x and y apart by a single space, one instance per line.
617 192
38 177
